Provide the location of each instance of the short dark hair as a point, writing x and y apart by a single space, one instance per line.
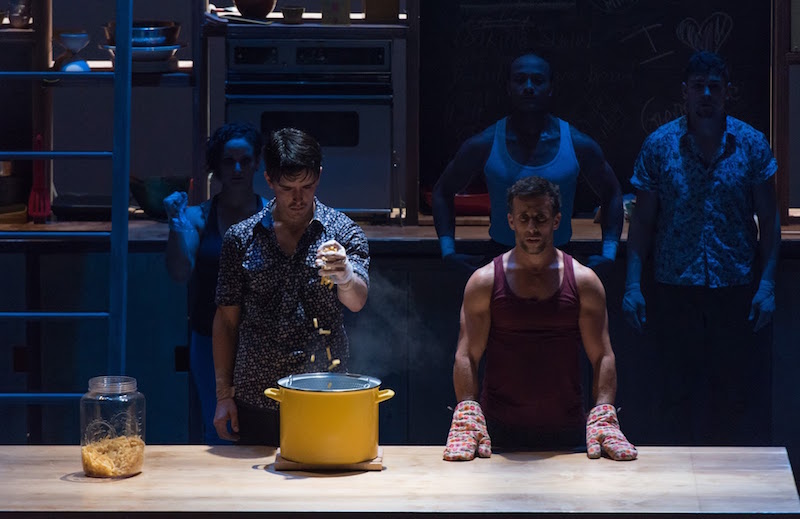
227 132
706 62
535 186
290 152
535 54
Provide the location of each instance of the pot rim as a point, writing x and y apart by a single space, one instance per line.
368 382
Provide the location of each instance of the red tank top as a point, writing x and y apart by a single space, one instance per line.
532 372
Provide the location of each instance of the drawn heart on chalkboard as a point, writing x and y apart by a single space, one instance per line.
710 35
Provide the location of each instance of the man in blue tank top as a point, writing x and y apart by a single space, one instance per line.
526 314
529 142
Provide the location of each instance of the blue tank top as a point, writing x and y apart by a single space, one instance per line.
502 171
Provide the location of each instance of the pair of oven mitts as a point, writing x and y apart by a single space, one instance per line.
469 436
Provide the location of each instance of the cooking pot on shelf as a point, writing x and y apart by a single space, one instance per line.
147 33
329 418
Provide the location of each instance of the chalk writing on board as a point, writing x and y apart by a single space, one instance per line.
614 6
483 9
644 32
652 116
602 114
617 66
517 33
598 75
709 35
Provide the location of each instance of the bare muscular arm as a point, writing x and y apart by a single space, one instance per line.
593 323
467 163
474 332
604 183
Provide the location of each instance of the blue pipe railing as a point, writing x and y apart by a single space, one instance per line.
123 76
53 315
40 398
57 76
31 155
53 235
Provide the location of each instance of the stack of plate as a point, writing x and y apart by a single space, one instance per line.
153 45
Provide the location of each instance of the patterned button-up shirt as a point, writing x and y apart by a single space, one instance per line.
705 231
288 317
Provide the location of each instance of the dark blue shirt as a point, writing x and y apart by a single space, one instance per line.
705 231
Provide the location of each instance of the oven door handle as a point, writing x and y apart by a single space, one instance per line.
314 99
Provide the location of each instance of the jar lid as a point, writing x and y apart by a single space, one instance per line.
329 382
112 384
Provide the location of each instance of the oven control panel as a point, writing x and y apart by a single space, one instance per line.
341 56
308 56
247 55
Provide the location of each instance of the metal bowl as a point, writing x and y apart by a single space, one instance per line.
160 53
147 33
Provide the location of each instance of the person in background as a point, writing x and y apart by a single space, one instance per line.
700 179
529 142
286 275
195 239
528 312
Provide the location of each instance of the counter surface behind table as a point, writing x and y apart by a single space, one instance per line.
415 480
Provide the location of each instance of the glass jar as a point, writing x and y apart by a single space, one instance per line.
112 428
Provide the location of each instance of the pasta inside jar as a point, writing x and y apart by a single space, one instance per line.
113 457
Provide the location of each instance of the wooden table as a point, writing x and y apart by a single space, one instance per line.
47 481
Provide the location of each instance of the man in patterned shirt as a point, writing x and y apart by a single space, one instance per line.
700 179
285 275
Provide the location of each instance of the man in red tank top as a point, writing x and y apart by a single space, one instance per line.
527 314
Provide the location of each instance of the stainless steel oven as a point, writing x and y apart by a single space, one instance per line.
339 91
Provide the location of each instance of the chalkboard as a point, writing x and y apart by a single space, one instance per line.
617 67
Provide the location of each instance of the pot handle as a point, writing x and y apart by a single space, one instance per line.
384 394
273 393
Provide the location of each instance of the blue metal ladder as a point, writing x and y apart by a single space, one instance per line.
120 155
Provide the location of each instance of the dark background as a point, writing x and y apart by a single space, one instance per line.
617 64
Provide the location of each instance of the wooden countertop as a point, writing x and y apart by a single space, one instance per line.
198 478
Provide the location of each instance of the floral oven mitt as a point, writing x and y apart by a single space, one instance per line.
603 434
468 434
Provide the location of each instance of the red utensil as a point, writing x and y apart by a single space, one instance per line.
39 199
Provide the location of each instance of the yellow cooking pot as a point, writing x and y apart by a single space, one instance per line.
329 418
